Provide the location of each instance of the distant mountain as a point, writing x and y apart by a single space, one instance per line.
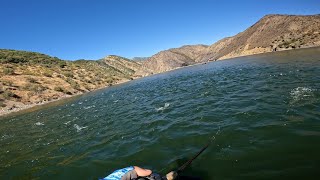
271 33
176 57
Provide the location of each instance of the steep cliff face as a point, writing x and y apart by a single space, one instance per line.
173 58
271 33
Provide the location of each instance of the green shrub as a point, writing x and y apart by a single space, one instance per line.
68 74
28 72
109 80
62 64
34 88
73 84
87 80
8 71
2 103
8 94
59 89
7 82
87 87
25 57
48 73
31 80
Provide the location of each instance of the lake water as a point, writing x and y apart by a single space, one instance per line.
263 110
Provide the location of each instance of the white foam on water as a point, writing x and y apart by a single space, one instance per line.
301 93
4 137
66 123
89 107
39 124
79 128
166 105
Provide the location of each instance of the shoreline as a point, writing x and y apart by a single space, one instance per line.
5 112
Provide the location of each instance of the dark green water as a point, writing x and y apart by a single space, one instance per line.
264 112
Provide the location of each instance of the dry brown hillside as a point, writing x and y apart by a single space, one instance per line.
176 57
271 33
28 78
132 68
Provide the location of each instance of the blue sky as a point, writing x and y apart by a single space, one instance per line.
92 29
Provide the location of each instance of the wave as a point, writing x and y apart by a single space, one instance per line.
301 93
79 128
39 124
166 105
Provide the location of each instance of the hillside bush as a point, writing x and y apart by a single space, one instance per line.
48 73
2 103
7 82
68 74
31 80
59 89
8 95
25 57
37 88
8 71
73 84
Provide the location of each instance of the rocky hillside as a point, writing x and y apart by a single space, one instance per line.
271 33
176 57
131 68
30 78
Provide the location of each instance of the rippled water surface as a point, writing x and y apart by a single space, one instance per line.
263 110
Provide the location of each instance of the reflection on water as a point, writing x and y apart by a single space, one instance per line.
263 111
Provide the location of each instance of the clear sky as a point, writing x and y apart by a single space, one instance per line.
92 29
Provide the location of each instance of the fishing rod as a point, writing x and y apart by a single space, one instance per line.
186 164
181 168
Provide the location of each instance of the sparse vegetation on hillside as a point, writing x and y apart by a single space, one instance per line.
271 33
25 57
30 77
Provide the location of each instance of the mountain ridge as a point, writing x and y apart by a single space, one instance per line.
273 32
